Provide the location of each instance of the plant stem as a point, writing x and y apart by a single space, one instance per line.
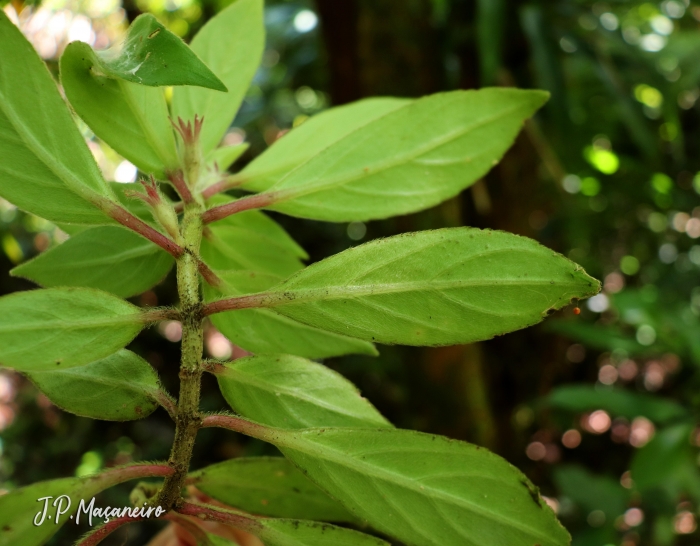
187 420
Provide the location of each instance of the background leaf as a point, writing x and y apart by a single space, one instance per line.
225 156
387 167
619 403
263 331
422 489
131 118
121 387
311 137
268 486
152 55
290 392
438 287
231 45
108 258
43 330
47 169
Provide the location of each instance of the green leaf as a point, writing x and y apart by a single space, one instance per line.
131 118
20 509
592 492
152 55
410 159
311 137
135 206
668 462
619 403
121 387
279 532
231 44
438 287
43 330
222 158
268 486
251 241
47 169
422 489
263 331
108 258
290 392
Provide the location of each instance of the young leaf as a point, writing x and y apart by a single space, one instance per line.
59 328
422 489
121 387
263 331
231 44
47 169
252 241
107 258
131 118
290 392
268 486
280 532
311 137
152 55
438 287
410 159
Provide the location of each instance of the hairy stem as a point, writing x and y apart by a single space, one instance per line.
251 202
212 513
188 419
102 532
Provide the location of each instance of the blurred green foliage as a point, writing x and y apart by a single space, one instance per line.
600 409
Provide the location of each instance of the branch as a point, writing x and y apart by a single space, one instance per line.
128 220
163 313
236 424
257 201
211 513
208 274
231 304
177 179
225 184
121 474
102 532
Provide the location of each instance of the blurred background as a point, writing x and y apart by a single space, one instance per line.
599 409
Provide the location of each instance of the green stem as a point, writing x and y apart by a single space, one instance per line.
188 419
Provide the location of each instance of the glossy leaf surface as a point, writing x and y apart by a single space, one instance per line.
410 159
290 392
268 486
438 287
131 118
231 44
311 137
59 328
263 331
121 387
47 169
422 489
107 258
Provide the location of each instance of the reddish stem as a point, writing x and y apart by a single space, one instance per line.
210 513
178 181
236 424
231 304
99 534
223 185
247 203
208 274
132 472
128 220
